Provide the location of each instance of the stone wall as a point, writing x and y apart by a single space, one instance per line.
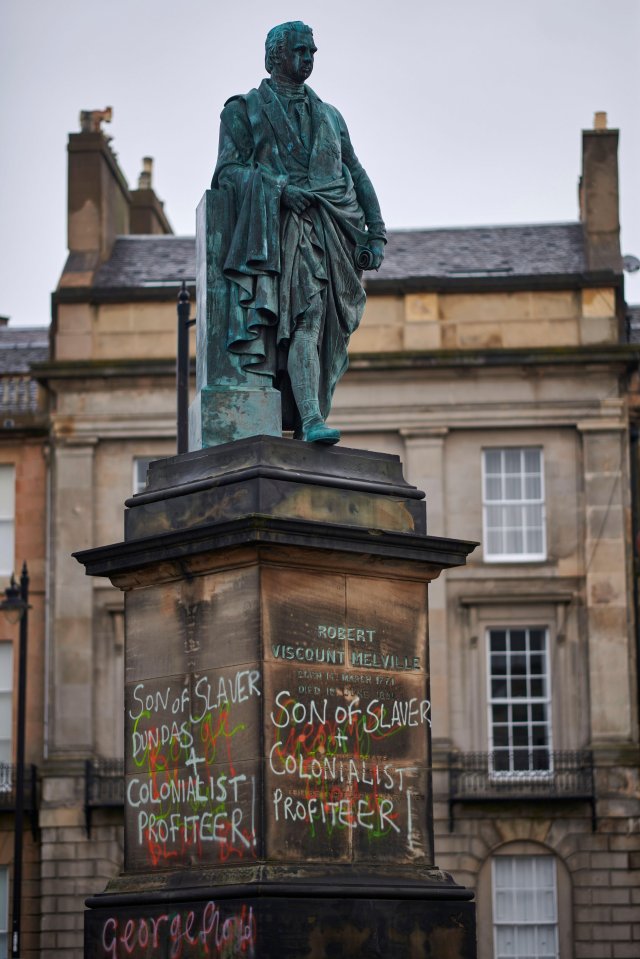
599 893
31 885
75 864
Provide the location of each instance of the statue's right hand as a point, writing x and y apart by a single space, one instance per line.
296 199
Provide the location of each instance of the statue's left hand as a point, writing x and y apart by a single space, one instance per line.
296 199
377 251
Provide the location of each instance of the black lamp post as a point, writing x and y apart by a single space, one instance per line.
15 606
182 368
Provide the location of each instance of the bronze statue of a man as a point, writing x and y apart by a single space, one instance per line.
303 221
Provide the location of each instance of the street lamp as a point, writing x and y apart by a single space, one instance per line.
15 606
182 369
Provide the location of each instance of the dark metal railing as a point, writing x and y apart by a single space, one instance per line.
104 786
18 394
8 791
8 787
473 777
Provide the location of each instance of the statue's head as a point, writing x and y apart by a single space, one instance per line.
289 50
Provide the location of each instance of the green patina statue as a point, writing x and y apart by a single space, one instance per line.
296 220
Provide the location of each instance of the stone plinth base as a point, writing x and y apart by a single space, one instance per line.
219 416
277 712
286 921
279 478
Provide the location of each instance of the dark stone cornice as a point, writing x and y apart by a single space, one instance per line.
166 292
493 284
260 530
111 368
623 356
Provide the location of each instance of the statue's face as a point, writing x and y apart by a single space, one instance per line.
297 62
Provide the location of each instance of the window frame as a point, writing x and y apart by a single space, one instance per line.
486 503
137 460
9 690
10 516
4 908
531 774
535 859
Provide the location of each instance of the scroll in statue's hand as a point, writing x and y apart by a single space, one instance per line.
296 199
370 257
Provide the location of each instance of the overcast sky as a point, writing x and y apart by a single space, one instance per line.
464 112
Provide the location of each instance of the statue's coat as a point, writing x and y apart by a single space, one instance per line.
276 260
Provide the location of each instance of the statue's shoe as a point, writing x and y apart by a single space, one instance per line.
319 432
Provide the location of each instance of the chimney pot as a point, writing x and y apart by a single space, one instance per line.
144 180
600 120
91 120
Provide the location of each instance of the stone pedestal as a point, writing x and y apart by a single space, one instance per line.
233 400
277 712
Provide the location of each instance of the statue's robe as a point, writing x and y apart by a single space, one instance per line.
277 261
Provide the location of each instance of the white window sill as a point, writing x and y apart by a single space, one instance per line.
517 558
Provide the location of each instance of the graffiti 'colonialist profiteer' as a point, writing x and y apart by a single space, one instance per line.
303 222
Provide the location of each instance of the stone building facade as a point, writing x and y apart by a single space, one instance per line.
501 378
494 362
24 454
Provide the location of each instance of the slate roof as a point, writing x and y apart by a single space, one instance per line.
19 348
535 249
529 250
22 346
139 261
633 323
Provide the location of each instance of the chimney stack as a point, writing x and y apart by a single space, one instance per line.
100 204
599 197
147 211
98 196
